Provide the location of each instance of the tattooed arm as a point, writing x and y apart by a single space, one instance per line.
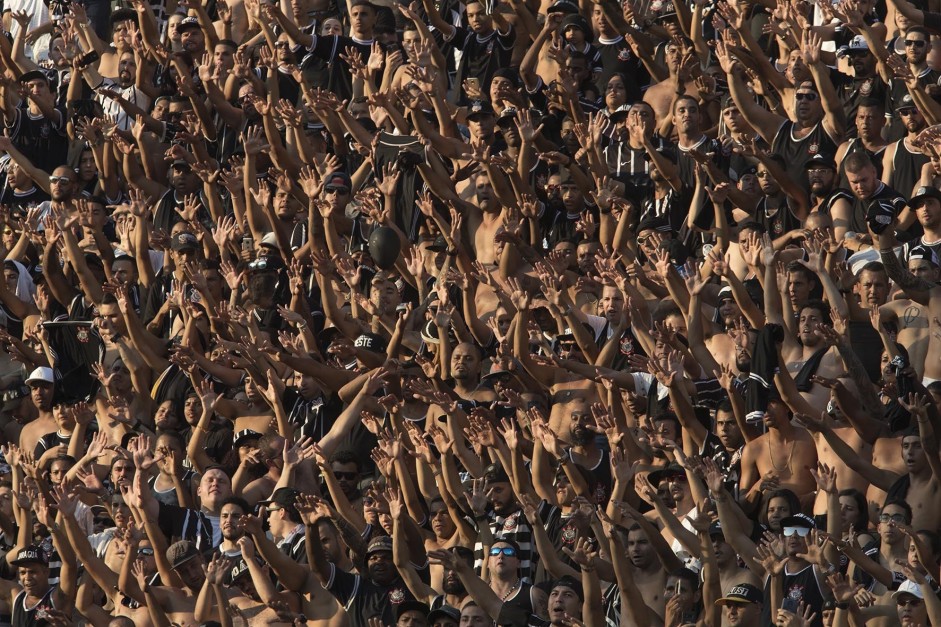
915 288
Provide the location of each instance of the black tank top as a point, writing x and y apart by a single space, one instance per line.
907 167
800 586
797 152
32 616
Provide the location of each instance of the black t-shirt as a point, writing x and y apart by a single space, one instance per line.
482 56
364 599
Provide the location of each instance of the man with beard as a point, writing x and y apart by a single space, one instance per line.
870 121
465 373
41 383
374 593
585 452
867 189
818 113
230 517
415 578
119 97
192 37
926 204
902 162
822 178
865 84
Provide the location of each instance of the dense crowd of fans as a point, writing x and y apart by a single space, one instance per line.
374 314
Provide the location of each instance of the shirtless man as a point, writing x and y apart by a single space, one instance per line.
920 290
661 95
566 388
782 455
41 383
465 372
909 318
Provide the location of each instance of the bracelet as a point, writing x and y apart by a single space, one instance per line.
302 325
842 606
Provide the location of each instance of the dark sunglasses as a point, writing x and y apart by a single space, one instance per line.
808 96
918 43
145 551
346 475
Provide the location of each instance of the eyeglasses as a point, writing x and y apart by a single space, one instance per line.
246 98
346 475
896 518
337 190
800 531
506 550
763 175
59 179
808 96
918 43
145 551
907 111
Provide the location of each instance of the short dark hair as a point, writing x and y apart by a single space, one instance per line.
237 500
346 456
857 162
862 504
822 307
875 266
799 268
901 504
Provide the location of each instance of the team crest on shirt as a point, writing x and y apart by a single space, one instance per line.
490 48
813 149
568 535
866 88
778 227
510 524
82 335
627 345
396 596
624 54
45 130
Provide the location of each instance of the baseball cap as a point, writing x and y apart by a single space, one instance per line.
181 552
479 108
445 611
382 543
563 6
820 160
240 569
244 434
410 606
494 473
925 191
339 180
269 240
742 593
923 252
620 113
856 44
43 374
569 582
285 498
879 215
31 555
187 22
657 476
799 520
371 342
908 587
184 241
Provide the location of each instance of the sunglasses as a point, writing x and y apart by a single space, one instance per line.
808 96
896 518
506 550
803 532
59 179
346 475
918 43
907 111
145 551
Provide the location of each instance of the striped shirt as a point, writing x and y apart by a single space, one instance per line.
513 527
181 523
